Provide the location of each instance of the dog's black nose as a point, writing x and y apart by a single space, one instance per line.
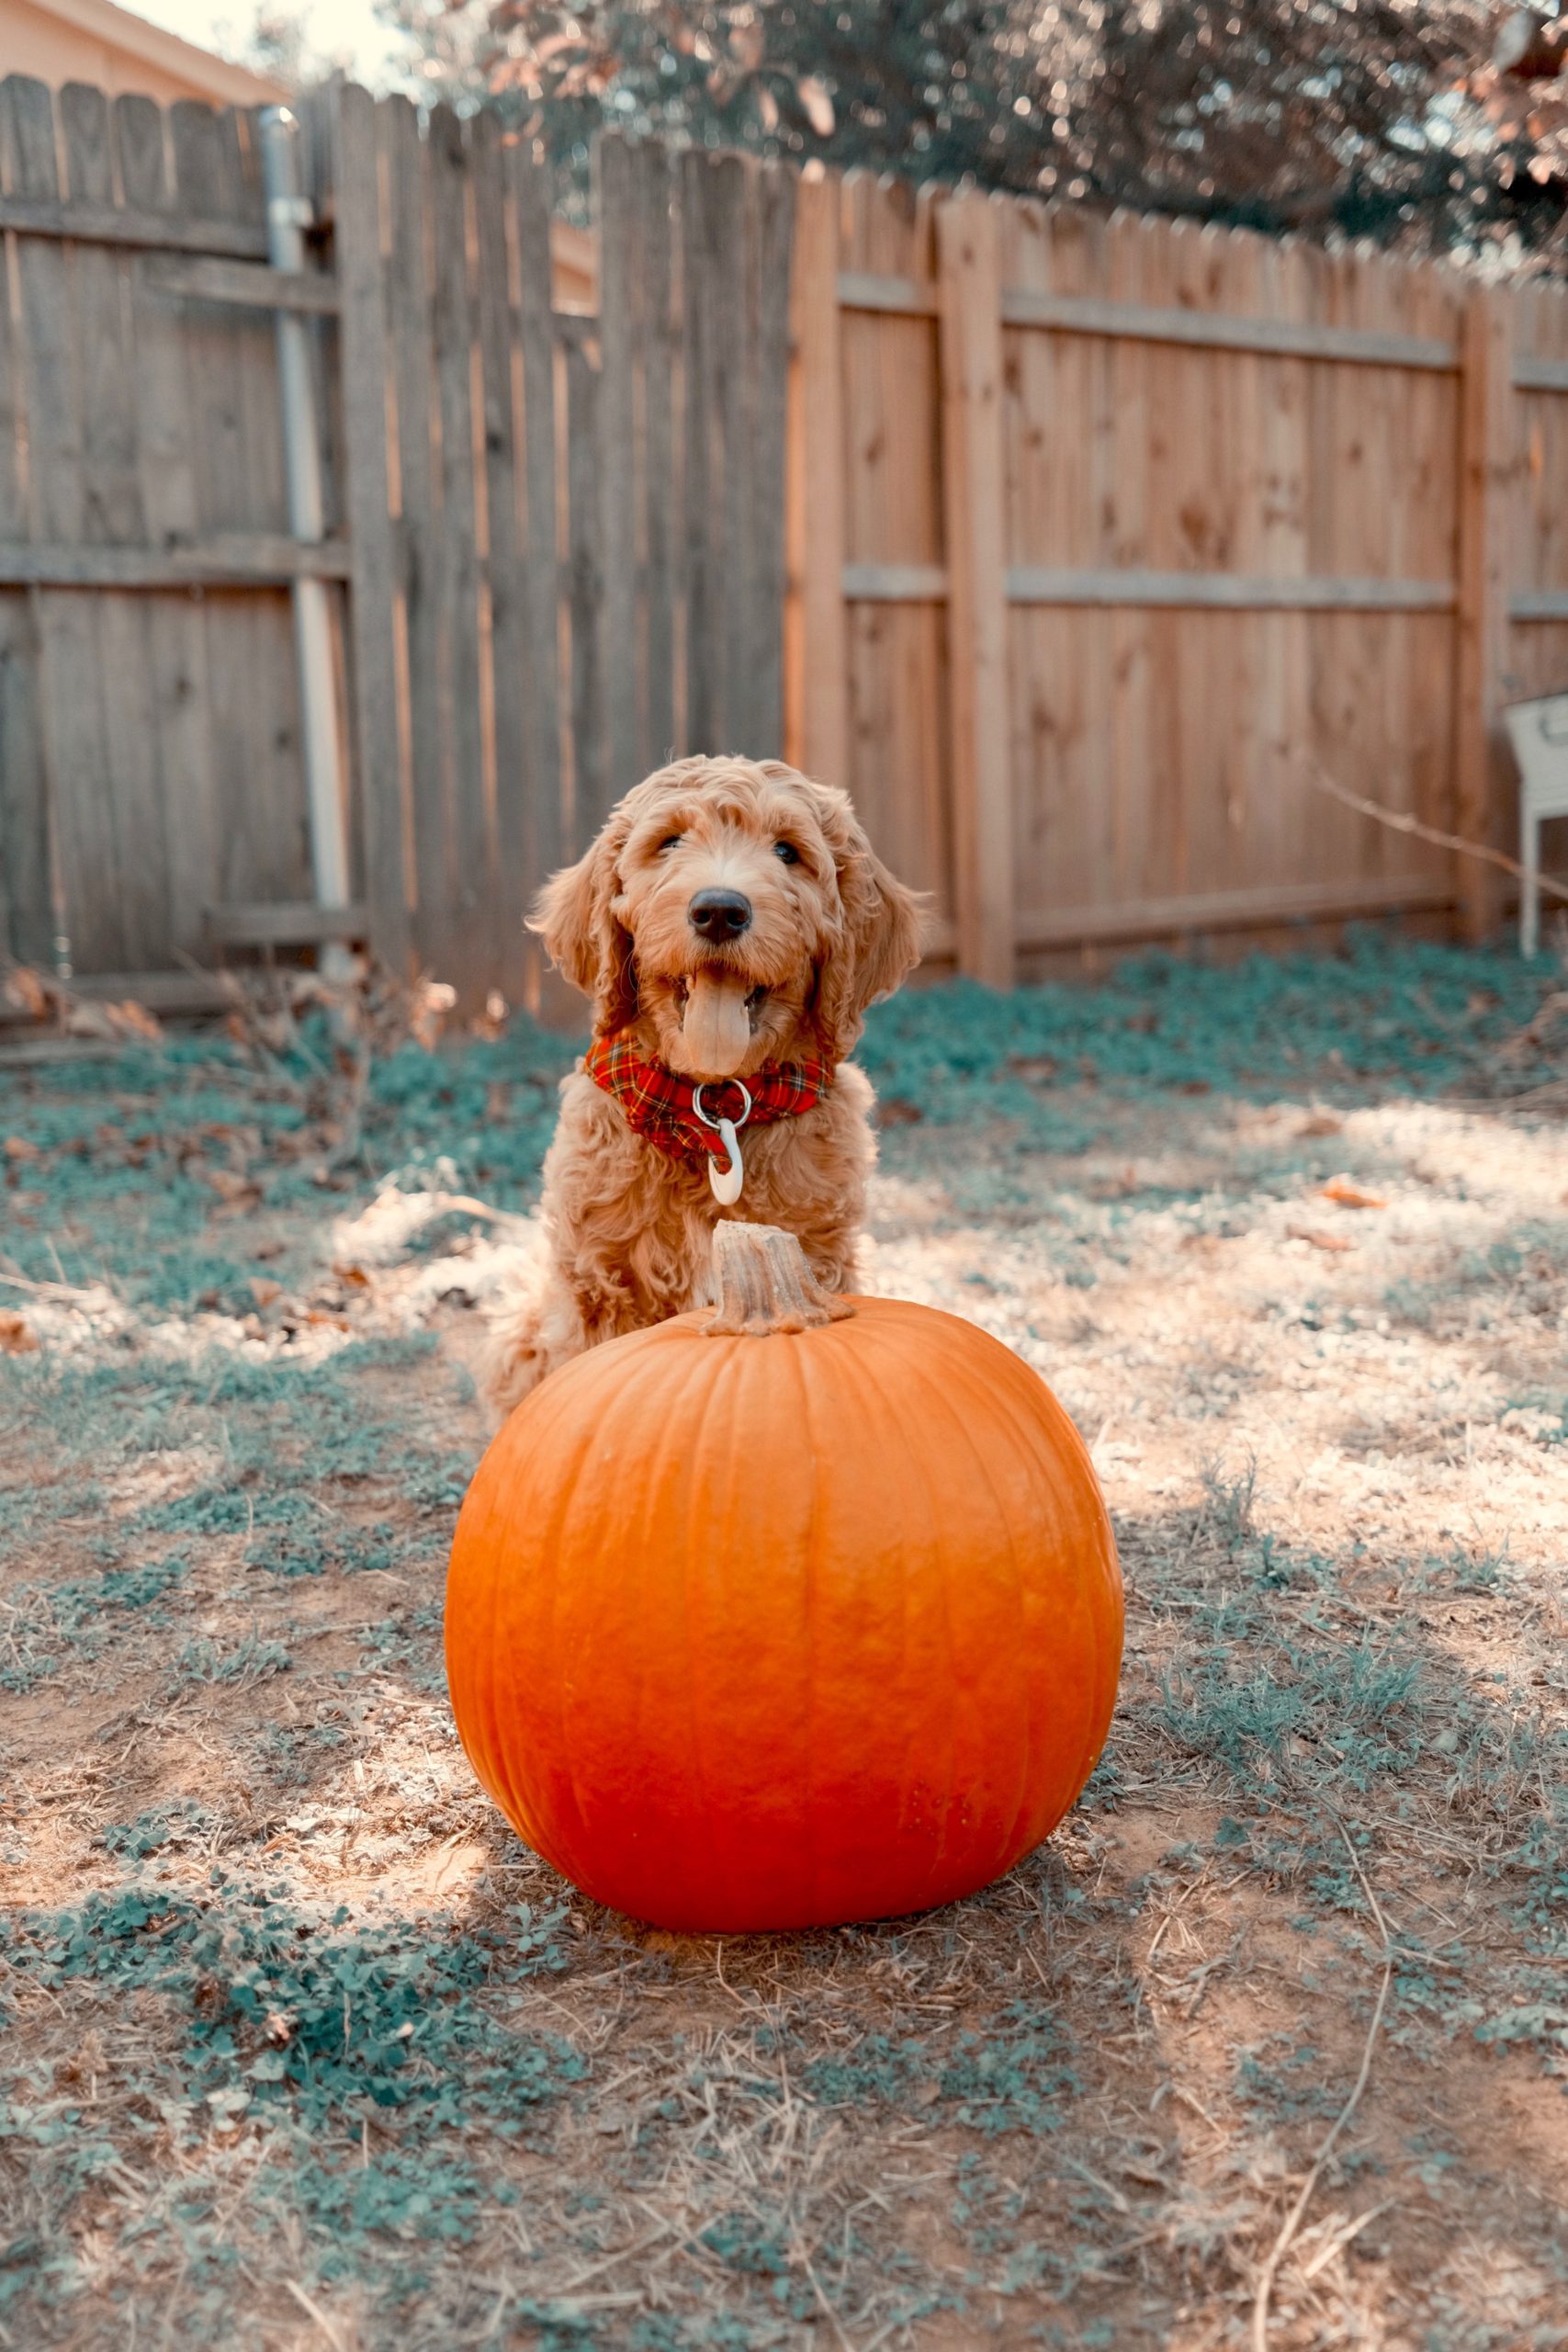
720 914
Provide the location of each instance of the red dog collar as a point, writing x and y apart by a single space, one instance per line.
663 1106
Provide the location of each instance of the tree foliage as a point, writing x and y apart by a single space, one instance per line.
1412 121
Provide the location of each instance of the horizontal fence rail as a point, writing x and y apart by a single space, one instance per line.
892 583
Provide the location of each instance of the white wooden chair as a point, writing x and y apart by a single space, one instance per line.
1539 733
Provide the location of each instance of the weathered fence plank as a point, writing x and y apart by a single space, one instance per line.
27 922
731 293
505 644
1487 459
176 625
590 790
658 724
817 718
967 241
235 425
372 613
699 586
87 850
468 954
409 330
542 774
768 359
621 330
132 816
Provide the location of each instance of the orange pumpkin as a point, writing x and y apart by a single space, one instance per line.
803 1611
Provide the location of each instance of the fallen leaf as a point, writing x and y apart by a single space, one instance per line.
27 991
1349 1195
16 1339
896 1110
355 1277
1322 1122
239 1192
1319 1240
428 1004
19 1147
263 1290
491 1023
90 1021
132 1020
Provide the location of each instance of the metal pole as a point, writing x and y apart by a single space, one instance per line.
288 214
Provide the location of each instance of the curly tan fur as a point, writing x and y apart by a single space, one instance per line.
630 1229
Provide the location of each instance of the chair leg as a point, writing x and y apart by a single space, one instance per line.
1530 891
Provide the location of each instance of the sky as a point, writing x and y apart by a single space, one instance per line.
340 32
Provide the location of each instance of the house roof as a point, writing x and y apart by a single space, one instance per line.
98 23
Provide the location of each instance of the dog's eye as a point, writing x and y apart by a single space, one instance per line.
788 852
671 840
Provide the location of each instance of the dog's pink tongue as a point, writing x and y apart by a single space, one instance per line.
715 1029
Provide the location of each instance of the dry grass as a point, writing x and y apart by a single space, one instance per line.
304 2048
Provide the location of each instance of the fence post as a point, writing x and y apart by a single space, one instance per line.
816 694
289 212
974 484
1486 487
357 224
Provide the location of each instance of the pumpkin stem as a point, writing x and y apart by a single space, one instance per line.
764 1283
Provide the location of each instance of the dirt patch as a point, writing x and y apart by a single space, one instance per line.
305 2048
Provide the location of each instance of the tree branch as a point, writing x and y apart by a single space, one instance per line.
1399 820
1282 2244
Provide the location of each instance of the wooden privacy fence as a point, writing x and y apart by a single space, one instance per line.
1071 545
1118 529
557 539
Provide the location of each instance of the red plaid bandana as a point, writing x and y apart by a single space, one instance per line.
661 1104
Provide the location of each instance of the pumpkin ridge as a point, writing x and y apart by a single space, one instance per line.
1086 1616
847 1370
944 1400
977 1390
715 1391
627 1410
1105 1665
562 1500
872 1373
802 1366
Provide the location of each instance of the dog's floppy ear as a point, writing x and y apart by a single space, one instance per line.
879 939
574 917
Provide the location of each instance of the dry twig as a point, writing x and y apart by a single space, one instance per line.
315 2312
1282 2244
1400 820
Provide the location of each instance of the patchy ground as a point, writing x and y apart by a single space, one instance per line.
304 2048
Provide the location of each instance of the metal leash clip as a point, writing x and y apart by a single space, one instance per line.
726 1182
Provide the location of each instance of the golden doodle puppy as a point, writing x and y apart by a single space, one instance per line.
731 924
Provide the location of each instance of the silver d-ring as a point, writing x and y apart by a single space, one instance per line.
706 1117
